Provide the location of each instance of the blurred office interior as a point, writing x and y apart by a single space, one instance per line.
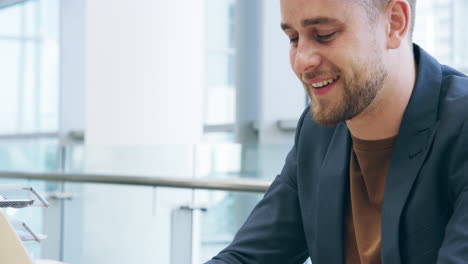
153 126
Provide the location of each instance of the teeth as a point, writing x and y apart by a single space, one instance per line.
321 84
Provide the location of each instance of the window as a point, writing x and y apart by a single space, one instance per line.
441 29
220 90
29 67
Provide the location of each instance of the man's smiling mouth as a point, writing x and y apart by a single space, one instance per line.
325 83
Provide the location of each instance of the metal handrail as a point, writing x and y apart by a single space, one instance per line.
29 136
240 185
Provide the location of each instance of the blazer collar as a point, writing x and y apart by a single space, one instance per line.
414 139
421 112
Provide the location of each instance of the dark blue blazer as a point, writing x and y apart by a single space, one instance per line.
425 207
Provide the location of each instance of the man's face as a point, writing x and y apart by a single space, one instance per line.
336 52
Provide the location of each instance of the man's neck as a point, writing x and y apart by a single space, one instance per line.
383 117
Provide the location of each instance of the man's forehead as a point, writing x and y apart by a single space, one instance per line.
318 3
301 13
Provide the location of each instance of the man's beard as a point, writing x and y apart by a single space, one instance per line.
358 93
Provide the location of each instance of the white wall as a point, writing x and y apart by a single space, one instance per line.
144 67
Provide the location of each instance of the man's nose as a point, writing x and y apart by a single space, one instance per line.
306 59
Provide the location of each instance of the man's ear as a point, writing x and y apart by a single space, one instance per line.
398 15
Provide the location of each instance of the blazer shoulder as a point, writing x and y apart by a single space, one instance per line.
454 96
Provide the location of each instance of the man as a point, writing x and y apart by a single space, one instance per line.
379 168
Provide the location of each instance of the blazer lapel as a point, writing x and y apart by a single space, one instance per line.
409 155
332 189
414 139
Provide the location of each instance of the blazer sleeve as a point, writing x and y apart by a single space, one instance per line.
273 233
455 245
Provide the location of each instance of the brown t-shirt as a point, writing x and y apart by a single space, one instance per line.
368 170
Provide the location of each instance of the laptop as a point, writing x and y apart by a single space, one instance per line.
12 250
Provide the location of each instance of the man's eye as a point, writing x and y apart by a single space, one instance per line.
325 37
293 40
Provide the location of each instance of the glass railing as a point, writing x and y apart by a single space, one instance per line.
226 211
124 223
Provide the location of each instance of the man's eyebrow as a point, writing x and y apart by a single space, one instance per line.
320 20
314 21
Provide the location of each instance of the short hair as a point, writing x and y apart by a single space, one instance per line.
375 6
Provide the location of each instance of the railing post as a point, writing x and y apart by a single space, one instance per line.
181 235
184 232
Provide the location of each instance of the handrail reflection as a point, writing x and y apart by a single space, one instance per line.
237 184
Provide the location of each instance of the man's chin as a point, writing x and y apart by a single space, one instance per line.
325 119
